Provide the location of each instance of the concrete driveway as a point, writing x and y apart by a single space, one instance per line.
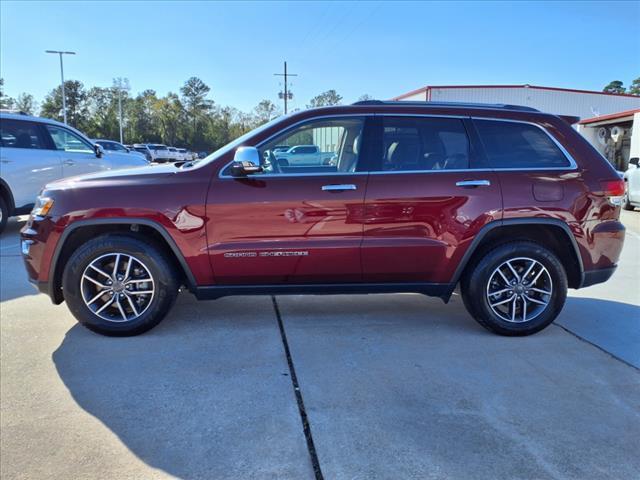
386 386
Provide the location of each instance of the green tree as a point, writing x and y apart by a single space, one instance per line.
143 124
265 111
634 89
365 97
616 86
325 99
26 103
194 97
170 115
77 111
5 102
102 114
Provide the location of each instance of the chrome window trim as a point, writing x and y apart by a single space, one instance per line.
571 167
290 127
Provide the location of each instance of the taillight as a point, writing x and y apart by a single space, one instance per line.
613 190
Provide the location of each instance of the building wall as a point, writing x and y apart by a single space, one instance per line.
560 102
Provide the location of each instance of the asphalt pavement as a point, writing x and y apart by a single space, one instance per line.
385 386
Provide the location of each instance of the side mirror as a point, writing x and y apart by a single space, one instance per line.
99 150
246 161
634 161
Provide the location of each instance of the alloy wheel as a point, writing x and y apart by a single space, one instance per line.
117 287
519 290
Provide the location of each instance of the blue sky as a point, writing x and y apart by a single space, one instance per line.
379 48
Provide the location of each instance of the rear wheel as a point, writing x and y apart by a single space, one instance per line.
516 289
118 285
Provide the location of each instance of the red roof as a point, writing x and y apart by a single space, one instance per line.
611 116
432 87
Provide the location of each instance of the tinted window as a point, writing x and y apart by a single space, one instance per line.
424 144
68 141
519 145
19 134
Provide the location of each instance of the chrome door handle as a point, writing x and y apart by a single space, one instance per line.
473 183
338 187
69 162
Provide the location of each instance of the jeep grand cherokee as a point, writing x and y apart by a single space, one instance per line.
510 204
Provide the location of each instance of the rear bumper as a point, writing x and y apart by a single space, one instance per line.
593 277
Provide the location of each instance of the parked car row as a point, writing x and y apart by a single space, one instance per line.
159 153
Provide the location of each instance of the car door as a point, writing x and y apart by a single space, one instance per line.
76 153
633 184
291 224
428 195
27 160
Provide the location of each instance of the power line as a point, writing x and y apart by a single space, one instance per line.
286 95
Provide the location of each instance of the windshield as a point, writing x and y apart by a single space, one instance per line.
239 141
158 147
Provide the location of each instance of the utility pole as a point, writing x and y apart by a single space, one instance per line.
118 83
120 112
287 95
64 100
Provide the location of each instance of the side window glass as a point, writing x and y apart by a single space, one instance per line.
19 134
424 144
519 145
68 141
321 146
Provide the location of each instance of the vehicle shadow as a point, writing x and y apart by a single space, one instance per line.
205 394
612 326
13 277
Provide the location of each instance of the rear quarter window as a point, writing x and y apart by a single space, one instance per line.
519 145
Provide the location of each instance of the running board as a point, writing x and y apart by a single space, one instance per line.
440 290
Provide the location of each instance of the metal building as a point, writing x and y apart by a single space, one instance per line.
560 101
616 136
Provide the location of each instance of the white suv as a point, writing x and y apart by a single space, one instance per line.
631 177
35 151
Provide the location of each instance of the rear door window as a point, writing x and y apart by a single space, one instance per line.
519 145
20 134
424 144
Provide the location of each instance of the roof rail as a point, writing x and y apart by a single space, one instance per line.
500 106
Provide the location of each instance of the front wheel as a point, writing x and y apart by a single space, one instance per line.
118 285
516 289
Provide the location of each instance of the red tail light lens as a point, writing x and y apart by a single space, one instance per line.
614 190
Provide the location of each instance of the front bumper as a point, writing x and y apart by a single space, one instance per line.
38 240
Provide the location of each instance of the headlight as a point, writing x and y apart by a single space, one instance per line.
42 207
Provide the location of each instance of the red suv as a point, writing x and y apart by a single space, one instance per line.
509 203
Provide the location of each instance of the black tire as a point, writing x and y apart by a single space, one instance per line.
476 279
160 267
4 213
626 204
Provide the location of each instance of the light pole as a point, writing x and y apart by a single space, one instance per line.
64 100
120 84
